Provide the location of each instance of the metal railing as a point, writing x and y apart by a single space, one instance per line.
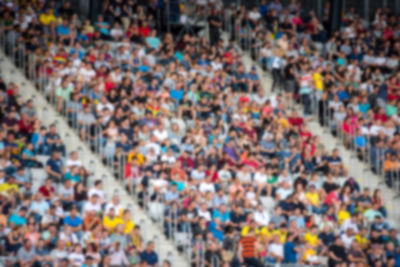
40 73
372 155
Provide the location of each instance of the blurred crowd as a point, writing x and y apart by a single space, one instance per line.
235 172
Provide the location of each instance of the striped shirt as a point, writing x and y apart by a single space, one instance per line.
248 246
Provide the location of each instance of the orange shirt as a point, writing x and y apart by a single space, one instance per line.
248 246
389 165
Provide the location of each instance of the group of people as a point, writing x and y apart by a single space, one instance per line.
238 172
348 77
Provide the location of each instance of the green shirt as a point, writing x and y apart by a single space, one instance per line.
391 110
64 93
272 180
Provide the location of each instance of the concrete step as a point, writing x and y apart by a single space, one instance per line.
357 169
48 115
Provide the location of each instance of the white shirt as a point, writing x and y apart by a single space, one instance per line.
100 106
260 178
205 214
206 187
168 159
348 224
76 259
91 207
155 146
347 240
254 15
277 249
98 192
284 193
261 217
117 208
161 135
87 74
73 163
216 65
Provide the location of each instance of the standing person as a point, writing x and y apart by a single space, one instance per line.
247 250
276 69
290 81
306 84
229 248
214 25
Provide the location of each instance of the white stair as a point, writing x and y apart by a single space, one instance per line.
356 168
46 113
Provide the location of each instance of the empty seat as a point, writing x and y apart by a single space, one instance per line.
268 203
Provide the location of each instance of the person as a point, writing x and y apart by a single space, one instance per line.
215 24
337 254
26 254
247 250
55 167
149 256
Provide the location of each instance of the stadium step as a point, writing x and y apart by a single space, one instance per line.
359 170
150 231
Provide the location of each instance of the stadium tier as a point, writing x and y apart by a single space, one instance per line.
171 96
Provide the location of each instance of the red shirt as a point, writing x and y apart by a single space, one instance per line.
144 32
186 162
214 176
298 121
46 192
108 86
330 198
25 126
229 57
381 117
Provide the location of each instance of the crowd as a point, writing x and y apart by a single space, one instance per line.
60 222
348 78
238 172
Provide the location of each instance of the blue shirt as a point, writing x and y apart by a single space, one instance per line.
290 255
150 258
153 42
177 94
218 234
73 222
224 217
144 68
62 30
363 108
55 165
343 95
253 77
360 141
103 30
17 220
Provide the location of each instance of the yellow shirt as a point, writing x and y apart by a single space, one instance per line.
283 121
311 239
308 253
343 215
129 225
361 240
319 81
139 157
111 223
136 241
313 198
46 19
282 235
6 187
88 29
265 233
245 231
